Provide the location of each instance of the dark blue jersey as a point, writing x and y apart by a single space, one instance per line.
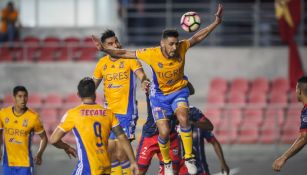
303 127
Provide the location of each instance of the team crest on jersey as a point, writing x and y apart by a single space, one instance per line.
113 66
6 120
25 123
175 151
121 65
105 67
160 65
171 63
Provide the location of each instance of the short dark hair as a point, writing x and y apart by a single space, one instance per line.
170 33
303 79
19 88
107 34
86 87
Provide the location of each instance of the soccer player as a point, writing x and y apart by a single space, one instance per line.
91 124
169 92
148 145
199 145
119 85
17 124
300 142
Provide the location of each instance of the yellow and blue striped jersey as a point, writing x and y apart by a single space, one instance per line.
91 125
168 73
119 83
17 132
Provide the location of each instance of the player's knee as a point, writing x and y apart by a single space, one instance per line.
164 134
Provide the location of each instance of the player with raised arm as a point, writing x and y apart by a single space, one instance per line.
199 136
119 85
17 124
169 92
91 124
301 141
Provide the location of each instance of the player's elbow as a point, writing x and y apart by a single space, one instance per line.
53 140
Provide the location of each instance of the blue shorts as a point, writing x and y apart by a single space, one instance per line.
165 105
128 123
15 170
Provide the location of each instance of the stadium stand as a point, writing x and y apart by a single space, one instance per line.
267 112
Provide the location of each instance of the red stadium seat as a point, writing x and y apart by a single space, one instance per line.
274 115
214 115
290 132
253 115
72 40
293 114
35 100
269 133
72 100
53 101
51 40
237 99
279 99
88 54
233 116
218 84
31 39
226 133
239 85
260 84
281 84
248 134
8 100
49 115
257 99
216 100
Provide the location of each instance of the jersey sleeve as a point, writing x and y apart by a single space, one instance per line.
97 71
184 45
209 136
135 65
38 126
145 55
303 127
114 120
67 122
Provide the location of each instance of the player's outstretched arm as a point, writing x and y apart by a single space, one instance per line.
115 53
42 146
203 33
122 138
219 152
56 141
298 144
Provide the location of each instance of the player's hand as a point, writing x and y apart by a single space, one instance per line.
38 159
97 43
145 85
225 168
219 13
70 151
134 168
279 163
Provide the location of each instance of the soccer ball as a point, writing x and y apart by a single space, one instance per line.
190 22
